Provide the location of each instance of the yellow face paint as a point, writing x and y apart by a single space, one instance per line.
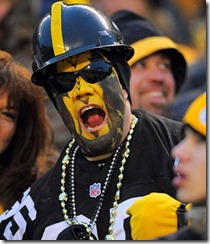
81 88
93 112
74 63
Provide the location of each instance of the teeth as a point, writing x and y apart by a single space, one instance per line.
87 108
155 93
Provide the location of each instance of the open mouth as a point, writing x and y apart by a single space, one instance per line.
92 117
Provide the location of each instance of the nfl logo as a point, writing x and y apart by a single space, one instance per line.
95 190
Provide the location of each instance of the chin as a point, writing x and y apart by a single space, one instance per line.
100 145
184 197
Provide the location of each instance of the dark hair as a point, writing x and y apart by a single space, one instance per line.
199 135
30 152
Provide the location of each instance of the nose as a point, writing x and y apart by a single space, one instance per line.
82 88
155 74
181 151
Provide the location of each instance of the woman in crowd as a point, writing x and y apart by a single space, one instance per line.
26 138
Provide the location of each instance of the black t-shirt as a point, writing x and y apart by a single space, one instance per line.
38 215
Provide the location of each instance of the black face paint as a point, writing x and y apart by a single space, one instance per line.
93 112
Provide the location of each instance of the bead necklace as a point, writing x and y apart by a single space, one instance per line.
63 197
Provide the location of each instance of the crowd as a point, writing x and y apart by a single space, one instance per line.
186 26
26 137
158 68
95 141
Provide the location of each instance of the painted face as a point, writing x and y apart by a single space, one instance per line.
152 84
191 170
93 105
8 117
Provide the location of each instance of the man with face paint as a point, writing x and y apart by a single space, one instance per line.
116 155
90 114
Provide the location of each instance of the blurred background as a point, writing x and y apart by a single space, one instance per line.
182 20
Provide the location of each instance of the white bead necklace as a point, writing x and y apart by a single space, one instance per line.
63 197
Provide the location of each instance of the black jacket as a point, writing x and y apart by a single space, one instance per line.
149 168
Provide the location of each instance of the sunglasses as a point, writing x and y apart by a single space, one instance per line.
92 73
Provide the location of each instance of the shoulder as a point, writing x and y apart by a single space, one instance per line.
153 118
37 201
165 128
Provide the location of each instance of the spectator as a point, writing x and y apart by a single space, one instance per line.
190 169
16 28
151 211
158 69
116 155
26 138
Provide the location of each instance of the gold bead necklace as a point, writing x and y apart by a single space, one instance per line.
63 196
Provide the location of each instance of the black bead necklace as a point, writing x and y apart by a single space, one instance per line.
84 230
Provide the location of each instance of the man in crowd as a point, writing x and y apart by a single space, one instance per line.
158 68
116 155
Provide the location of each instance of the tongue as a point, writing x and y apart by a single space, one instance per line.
94 120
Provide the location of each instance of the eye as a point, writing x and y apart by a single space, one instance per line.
140 64
9 115
62 82
165 65
201 138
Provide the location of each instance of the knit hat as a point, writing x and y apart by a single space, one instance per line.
146 40
195 115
